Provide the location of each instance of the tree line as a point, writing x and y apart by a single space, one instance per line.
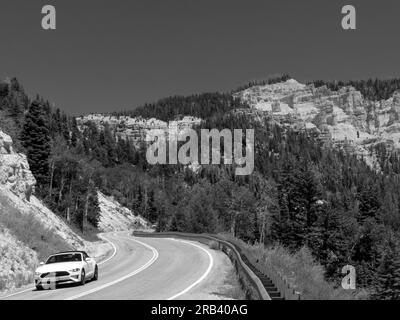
201 106
371 89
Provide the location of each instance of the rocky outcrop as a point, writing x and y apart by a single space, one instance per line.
136 129
14 169
115 217
323 106
349 119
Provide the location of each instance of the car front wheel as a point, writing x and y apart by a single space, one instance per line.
83 275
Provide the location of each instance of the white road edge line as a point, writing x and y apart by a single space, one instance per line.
114 253
148 264
100 263
17 293
211 264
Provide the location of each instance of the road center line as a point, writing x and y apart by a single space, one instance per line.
148 264
210 265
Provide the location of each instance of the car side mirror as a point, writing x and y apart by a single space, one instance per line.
41 263
87 259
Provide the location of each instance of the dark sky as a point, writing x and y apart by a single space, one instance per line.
112 55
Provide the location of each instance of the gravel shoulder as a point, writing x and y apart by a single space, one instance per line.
221 284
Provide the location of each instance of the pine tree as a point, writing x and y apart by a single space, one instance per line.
298 193
64 128
369 203
388 283
35 139
75 135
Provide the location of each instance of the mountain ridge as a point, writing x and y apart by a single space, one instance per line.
342 118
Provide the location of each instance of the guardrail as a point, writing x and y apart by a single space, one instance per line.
264 268
253 286
286 290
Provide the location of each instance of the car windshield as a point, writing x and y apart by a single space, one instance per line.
67 257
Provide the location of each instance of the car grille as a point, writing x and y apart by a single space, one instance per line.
55 274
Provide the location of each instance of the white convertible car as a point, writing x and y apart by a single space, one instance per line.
66 267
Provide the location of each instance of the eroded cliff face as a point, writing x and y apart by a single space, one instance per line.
136 129
14 169
115 217
344 116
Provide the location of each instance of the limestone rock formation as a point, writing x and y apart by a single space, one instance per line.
345 115
136 129
115 217
14 169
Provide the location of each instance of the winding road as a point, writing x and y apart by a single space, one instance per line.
138 269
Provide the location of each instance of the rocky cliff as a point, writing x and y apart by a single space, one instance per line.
343 117
114 217
135 129
14 169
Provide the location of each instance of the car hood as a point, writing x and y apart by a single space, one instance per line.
64 266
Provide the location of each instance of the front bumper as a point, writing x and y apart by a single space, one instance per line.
52 278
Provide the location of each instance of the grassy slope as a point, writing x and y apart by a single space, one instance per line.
32 234
300 269
27 229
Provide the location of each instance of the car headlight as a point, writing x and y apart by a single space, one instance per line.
74 270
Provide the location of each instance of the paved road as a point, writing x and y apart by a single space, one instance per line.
138 269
